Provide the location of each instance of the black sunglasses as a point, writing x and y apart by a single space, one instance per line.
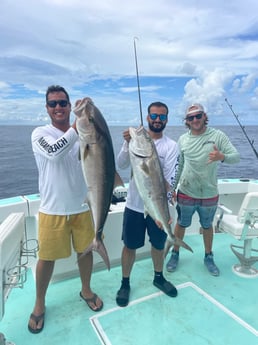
52 104
162 117
197 116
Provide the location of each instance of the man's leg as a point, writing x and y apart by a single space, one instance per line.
85 264
159 281
44 272
128 258
208 259
208 239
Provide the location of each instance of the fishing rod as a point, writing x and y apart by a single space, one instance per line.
251 142
138 82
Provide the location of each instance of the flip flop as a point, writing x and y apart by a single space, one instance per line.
92 300
37 319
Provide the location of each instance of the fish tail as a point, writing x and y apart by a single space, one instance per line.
181 243
168 245
176 241
101 249
98 246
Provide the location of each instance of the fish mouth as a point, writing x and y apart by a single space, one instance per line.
136 131
139 130
138 147
80 104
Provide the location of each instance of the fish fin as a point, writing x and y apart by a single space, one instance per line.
118 180
85 152
145 168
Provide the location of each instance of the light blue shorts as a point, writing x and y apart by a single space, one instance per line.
187 206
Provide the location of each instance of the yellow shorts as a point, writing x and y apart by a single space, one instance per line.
57 234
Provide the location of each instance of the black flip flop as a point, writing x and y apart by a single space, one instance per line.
92 300
37 319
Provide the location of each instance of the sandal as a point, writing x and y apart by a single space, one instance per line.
91 301
37 319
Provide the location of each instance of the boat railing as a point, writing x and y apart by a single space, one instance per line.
16 276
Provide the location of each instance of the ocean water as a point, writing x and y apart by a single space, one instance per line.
18 171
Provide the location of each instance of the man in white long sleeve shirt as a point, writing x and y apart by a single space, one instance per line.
63 215
134 223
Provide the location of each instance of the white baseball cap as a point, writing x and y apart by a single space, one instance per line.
194 108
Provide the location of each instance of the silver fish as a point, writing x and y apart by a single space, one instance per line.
150 182
98 165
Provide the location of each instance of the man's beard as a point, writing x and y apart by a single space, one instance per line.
157 129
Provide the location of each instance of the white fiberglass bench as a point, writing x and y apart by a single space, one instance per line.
244 227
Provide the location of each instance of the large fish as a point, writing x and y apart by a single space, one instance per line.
98 165
150 182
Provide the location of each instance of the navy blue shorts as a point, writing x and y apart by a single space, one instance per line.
186 206
134 230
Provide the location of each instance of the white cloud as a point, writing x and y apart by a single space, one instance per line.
254 100
88 45
208 88
248 82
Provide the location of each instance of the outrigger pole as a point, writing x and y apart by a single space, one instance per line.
138 82
251 142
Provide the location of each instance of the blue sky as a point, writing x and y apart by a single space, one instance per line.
188 51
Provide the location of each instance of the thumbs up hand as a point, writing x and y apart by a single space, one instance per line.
215 155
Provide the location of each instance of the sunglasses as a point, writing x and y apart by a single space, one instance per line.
197 116
52 104
162 117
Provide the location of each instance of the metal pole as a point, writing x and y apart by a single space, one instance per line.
138 82
251 142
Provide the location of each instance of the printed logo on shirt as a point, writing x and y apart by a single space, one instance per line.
52 148
173 178
208 142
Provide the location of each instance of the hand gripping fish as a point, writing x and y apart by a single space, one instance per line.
98 165
150 182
